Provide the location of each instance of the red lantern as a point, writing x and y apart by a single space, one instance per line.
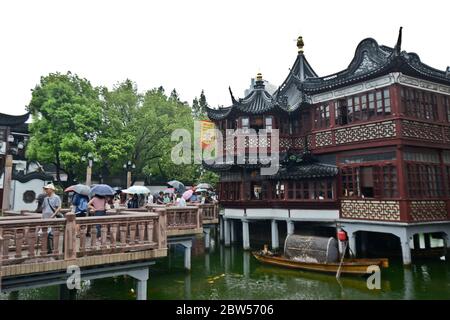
342 235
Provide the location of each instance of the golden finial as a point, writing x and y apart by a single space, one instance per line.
300 44
259 76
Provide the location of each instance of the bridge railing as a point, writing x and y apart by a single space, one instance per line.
27 240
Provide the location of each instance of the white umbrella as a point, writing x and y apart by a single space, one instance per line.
137 190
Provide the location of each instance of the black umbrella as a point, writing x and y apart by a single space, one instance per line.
179 186
102 190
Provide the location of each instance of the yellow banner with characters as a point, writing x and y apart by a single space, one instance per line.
207 134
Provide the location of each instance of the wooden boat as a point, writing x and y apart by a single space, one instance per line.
349 266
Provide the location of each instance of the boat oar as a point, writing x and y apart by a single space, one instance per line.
338 273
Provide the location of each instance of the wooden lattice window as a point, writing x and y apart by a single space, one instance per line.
447 174
322 116
376 181
310 190
419 104
363 106
424 180
446 104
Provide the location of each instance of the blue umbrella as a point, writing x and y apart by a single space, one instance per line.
102 190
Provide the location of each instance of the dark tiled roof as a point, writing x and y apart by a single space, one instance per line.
258 101
290 95
11 120
19 176
306 171
217 114
369 61
217 167
372 60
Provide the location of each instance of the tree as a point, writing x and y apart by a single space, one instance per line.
196 112
117 138
66 114
199 107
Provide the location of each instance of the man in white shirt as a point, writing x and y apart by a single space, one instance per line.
181 202
150 199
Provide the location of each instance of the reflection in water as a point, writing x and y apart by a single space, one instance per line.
227 259
187 286
207 263
246 264
230 273
408 284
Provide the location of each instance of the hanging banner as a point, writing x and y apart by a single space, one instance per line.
207 134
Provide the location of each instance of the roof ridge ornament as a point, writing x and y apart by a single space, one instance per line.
233 100
398 45
259 84
259 76
300 44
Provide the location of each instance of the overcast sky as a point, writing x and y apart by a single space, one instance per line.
193 45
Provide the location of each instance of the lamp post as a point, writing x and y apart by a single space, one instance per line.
90 159
129 166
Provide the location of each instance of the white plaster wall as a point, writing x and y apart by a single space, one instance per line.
233 213
268 213
314 214
18 189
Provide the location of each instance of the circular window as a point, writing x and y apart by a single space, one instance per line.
29 196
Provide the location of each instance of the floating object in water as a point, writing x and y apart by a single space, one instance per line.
316 254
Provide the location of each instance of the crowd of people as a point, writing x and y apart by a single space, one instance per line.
49 204
176 199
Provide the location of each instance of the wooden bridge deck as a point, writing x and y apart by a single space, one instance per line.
123 236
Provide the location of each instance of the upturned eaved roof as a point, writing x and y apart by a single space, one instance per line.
8 120
258 101
370 60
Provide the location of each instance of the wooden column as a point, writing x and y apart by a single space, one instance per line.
161 229
7 182
402 184
396 100
70 237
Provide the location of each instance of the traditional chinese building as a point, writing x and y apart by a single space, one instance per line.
366 149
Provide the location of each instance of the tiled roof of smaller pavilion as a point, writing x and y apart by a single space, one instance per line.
258 101
12 120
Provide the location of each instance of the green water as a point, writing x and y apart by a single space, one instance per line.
231 273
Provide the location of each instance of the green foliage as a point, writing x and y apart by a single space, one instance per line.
117 138
71 118
199 107
66 115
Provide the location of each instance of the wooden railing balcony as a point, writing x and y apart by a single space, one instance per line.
25 246
182 220
209 212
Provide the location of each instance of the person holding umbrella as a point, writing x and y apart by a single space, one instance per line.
80 202
98 201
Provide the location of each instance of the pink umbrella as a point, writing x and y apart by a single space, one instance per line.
188 194
169 190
